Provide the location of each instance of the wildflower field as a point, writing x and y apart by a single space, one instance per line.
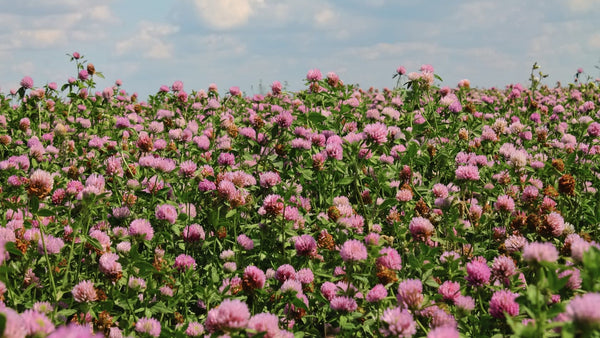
332 211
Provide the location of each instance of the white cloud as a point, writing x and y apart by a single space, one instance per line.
225 14
26 67
41 38
26 25
150 40
101 13
325 17
396 50
594 41
583 5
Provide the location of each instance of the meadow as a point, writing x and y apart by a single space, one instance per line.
335 210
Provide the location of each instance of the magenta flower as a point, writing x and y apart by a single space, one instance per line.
574 281
329 290
73 330
36 323
177 86
184 262
537 252
503 301
285 272
389 259
276 87
27 82
505 203
305 276
254 278
109 265
206 185
84 292
291 285
149 326
269 179
14 326
194 329
264 322
306 245
353 250
377 132
583 310
515 243
440 318
377 293
245 242
343 304
226 159
503 267
53 244
397 322
141 228
166 212
231 314
410 294
465 303
478 272
421 228
193 233
314 75
556 223
40 183
443 332
594 129
449 290
467 173
187 168
272 205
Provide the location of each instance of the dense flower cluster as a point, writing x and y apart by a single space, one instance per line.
412 211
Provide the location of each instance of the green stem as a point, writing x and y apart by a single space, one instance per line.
50 273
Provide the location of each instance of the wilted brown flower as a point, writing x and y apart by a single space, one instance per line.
566 185
333 213
325 241
558 164
385 275
550 191
40 183
421 208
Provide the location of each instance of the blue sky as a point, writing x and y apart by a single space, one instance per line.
244 42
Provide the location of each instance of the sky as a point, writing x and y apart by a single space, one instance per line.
246 43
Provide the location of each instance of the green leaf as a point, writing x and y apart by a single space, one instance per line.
411 152
12 248
34 204
145 267
160 307
346 180
231 213
307 174
67 312
2 324
297 302
45 213
316 117
94 242
214 275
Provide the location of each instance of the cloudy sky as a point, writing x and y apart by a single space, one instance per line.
247 42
